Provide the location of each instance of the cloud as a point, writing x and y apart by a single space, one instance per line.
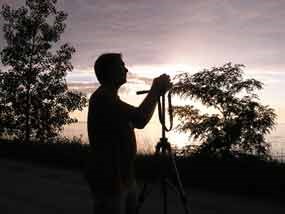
201 33
135 82
204 32
87 88
138 79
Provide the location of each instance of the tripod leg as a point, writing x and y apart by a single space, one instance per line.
142 196
180 188
181 194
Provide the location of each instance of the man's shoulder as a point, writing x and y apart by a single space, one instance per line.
96 95
103 97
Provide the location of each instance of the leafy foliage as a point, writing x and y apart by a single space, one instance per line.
241 122
35 100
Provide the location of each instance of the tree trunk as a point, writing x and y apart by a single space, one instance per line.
27 126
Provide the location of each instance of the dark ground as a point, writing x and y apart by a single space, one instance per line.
28 188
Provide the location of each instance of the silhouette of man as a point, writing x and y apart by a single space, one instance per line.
111 124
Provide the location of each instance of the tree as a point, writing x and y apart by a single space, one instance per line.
34 93
6 111
241 121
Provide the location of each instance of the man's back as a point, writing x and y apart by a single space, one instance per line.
112 139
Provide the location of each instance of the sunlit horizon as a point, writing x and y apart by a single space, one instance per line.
140 77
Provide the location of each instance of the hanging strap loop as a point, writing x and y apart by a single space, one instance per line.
161 113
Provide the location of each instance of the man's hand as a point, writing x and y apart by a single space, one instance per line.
161 84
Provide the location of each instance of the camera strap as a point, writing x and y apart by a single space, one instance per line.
161 111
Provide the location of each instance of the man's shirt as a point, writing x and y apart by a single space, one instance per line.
111 134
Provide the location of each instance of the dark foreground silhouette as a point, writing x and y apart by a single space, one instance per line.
28 188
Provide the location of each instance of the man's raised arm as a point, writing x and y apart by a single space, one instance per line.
160 85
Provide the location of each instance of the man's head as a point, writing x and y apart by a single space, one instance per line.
110 69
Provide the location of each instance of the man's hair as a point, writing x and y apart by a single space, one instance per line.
104 65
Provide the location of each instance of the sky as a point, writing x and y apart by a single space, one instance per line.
166 36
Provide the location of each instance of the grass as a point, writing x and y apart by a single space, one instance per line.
63 154
247 175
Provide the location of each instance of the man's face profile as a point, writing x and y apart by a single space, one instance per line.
120 72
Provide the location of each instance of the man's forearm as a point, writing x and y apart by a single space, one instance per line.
148 105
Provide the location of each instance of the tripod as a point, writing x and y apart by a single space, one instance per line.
163 152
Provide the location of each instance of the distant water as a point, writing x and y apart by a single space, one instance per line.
149 136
